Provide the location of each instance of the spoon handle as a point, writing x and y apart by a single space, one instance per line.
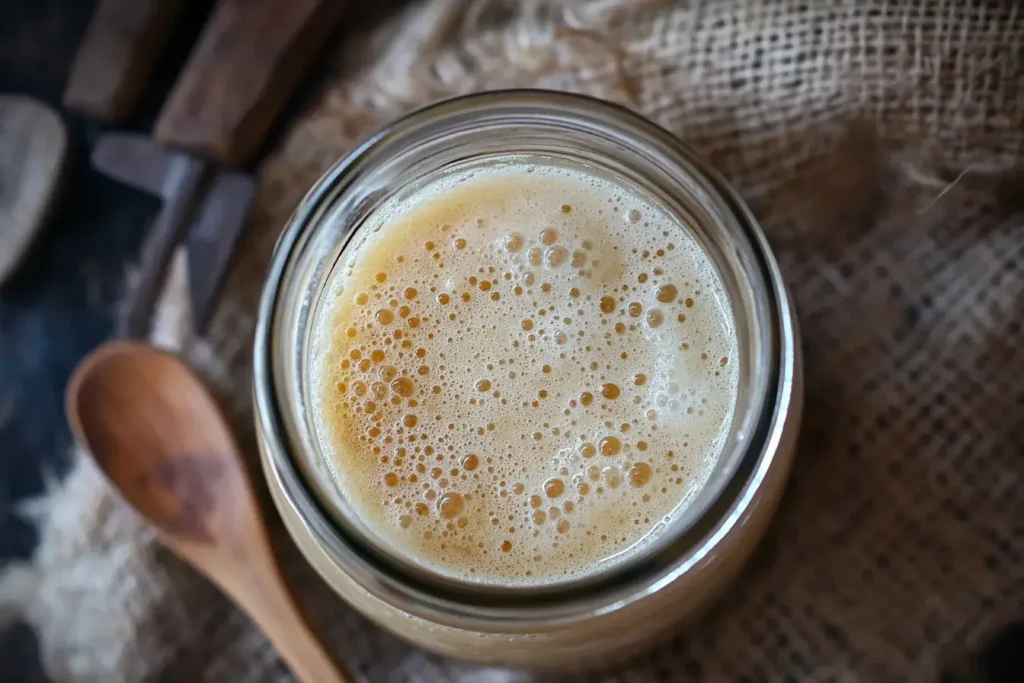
273 609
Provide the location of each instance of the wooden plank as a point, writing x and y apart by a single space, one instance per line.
116 56
249 59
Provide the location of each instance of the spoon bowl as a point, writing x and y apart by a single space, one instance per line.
161 440
163 444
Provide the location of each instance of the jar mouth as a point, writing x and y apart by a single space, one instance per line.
510 122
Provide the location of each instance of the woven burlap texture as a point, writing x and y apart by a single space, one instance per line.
880 144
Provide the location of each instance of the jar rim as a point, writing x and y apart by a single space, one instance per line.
648 569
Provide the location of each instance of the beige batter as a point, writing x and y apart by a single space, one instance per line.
524 371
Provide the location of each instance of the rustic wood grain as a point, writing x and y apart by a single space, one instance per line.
249 59
116 56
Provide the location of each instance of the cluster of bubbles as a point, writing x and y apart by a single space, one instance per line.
525 392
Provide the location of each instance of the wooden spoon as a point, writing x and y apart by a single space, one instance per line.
156 432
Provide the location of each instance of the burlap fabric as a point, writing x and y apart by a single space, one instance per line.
881 145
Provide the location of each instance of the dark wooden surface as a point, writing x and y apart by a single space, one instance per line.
245 67
116 54
60 303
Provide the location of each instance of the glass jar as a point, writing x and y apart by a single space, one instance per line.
573 622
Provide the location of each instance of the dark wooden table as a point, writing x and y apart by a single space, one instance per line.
60 303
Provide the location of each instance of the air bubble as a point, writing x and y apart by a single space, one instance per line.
450 505
666 294
612 477
403 386
609 446
554 487
555 256
640 473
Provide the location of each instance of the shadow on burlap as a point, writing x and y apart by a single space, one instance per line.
880 144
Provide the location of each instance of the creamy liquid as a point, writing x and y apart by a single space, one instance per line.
524 371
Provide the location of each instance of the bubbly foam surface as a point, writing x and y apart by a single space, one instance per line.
524 371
